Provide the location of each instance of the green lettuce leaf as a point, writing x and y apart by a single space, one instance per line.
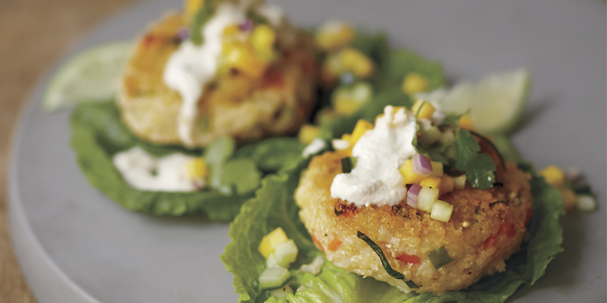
98 133
274 206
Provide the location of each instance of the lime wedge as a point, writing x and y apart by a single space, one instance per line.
496 102
92 75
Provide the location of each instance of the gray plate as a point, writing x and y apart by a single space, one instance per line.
75 245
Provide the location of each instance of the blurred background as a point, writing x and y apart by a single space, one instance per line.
33 34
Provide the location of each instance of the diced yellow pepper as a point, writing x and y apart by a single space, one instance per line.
191 8
406 170
414 83
446 185
197 169
333 35
307 133
553 175
231 30
437 168
425 109
356 62
268 243
263 39
465 123
360 129
432 182
242 57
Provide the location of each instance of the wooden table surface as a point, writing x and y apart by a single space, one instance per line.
33 33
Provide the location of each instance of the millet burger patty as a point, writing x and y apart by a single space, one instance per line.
232 104
485 228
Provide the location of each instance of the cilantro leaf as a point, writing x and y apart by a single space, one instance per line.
479 168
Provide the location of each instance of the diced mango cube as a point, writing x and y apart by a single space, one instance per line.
231 30
423 109
356 62
414 83
360 129
406 170
553 175
466 123
263 38
242 57
437 168
334 34
446 185
268 243
197 169
432 182
307 133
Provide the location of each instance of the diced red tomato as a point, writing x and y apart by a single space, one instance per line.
507 228
413 259
334 245
273 80
490 242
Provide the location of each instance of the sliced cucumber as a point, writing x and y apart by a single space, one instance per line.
285 253
274 277
441 211
426 198
282 292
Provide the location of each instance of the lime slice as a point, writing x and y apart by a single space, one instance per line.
496 102
92 75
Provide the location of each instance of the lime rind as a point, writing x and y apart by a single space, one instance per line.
92 75
495 103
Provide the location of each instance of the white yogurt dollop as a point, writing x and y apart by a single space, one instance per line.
146 172
192 66
379 154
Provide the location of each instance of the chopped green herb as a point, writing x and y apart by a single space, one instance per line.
492 146
347 165
439 257
338 212
384 261
202 16
479 168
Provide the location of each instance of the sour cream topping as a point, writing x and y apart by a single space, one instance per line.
147 172
379 154
192 66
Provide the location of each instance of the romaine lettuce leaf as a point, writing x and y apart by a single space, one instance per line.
274 206
98 133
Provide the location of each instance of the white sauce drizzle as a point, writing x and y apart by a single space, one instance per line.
379 153
192 66
137 168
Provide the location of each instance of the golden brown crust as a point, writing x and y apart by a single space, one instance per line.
485 228
232 104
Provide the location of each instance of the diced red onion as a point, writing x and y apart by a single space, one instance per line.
412 194
421 165
183 33
246 26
